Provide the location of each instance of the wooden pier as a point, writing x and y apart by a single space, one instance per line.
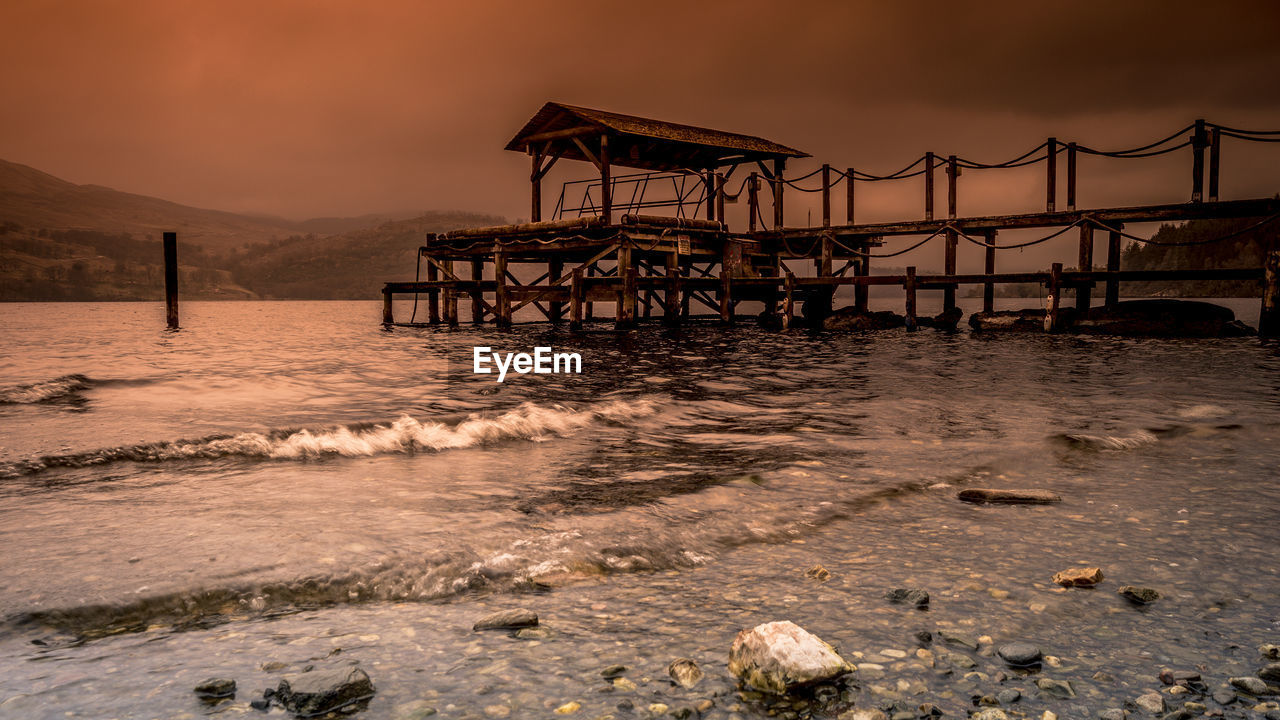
619 251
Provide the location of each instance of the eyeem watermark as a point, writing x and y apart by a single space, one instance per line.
543 361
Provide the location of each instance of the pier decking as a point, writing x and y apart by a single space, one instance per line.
650 265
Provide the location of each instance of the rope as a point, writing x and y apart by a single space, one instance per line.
866 177
1016 162
864 253
1226 129
1131 153
1015 246
1249 138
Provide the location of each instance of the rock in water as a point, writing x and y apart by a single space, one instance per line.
909 596
1031 320
1020 654
849 318
945 320
1270 673
322 691
1151 702
1078 577
685 672
507 620
216 689
1161 318
1139 595
1251 685
819 573
1009 497
989 714
776 656
1056 688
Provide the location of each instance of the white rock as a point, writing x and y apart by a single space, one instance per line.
779 655
1151 702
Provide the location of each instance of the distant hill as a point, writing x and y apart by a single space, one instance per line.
62 241
1246 250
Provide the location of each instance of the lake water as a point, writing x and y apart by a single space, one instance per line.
287 484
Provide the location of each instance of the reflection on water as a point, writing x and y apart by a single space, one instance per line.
278 480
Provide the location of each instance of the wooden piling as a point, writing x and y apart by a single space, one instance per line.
1269 320
388 313
861 293
753 200
1051 189
826 195
1199 141
450 298
501 300
1085 264
1215 161
720 198
587 307
1113 265
910 287
671 297
624 290
949 268
575 300
433 295
555 271
953 171
848 195
989 267
477 295
928 186
1053 322
1071 176
788 300
171 281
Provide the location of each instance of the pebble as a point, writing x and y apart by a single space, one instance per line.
415 710
498 711
568 708
1139 595
1270 672
216 688
1224 696
507 620
1020 654
1151 702
989 714
657 708
1251 685
958 639
1112 714
819 573
623 684
1078 577
685 672
1008 696
1271 652
613 671
1056 688
909 596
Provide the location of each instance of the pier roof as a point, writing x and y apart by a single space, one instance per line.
642 142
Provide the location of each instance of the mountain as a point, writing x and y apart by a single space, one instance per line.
62 241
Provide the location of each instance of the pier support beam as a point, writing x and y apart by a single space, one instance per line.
625 314
1269 320
1113 265
450 298
171 279
910 287
989 267
861 293
555 271
1084 292
575 300
671 298
388 313
433 296
1052 320
501 299
949 268
477 295
788 301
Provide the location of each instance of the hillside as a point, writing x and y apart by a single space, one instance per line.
62 241
1244 250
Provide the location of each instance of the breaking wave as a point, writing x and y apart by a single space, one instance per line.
1140 438
405 435
45 390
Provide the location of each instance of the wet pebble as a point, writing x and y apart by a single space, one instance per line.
1150 702
1251 685
1020 654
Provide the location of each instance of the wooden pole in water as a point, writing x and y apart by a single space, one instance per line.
1269 320
555 271
910 287
671 298
575 300
477 276
989 267
388 314
500 293
624 311
587 305
928 186
726 274
171 280
1113 265
1084 292
1052 322
433 297
788 300
1051 190
450 298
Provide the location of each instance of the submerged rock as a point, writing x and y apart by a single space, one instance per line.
1162 318
1151 702
1251 685
507 620
1009 497
1078 577
685 672
777 656
1020 654
1056 688
909 596
322 691
1029 320
216 689
1139 595
852 319
1270 673
819 573
945 320
613 671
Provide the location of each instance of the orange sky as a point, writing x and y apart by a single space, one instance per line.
318 107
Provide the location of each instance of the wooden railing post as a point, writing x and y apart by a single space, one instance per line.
953 171
1199 141
1071 176
826 195
1215 160
848 196
606 182
753 200
928 186
1084 292
1051 190
779 217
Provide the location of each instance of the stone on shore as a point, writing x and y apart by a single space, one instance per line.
1139 595
1251 685
1271 652
1030 320
945 320
216 689
851 319
1060 689
685 672
507 620
908 596
989 714
777 656
1008 497
322 691
1020 654
1270 672
1151 702
1078 577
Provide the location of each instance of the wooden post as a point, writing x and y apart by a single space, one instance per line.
779 166
1084 292
848 195
500 294
989 267
1052 322
826 195
861 293
450 299
388 314
789 300
709 180
1051 189
1198 143
624 290
953 171
823 262
587 304
477 276
606 184
1113 265
1269 320
949 268
433 295
535 178
575 300
671 298
1215 159
171 281
753 200
726 299
720 199
928 186
1071 176
910 287
555 271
